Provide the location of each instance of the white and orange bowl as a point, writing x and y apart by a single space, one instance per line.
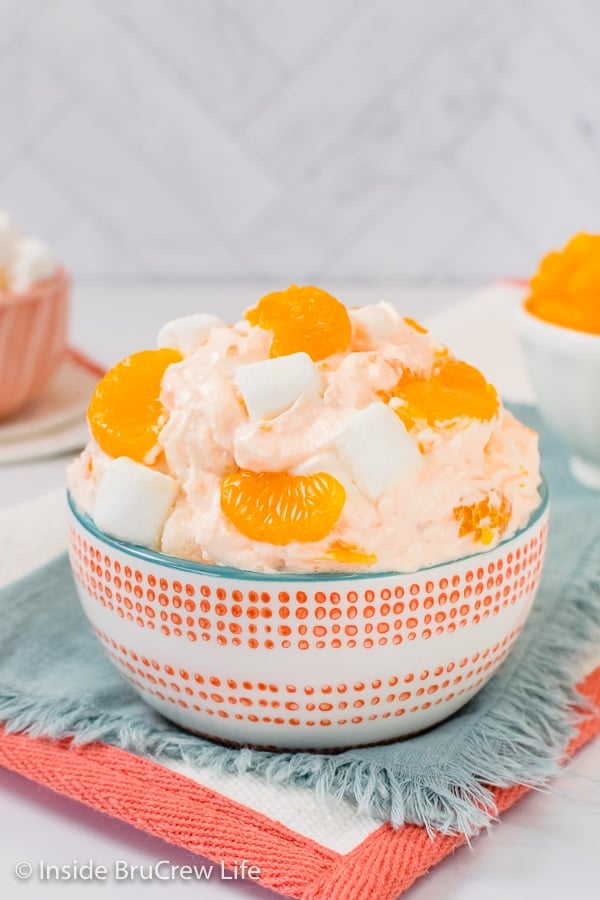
305 661
33 339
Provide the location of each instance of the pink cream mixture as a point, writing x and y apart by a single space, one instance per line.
208 433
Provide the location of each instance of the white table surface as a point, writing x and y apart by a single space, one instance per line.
545 847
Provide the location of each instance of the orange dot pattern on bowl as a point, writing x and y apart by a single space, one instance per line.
347 617
337 703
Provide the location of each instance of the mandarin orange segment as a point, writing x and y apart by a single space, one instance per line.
125 412
552 268
279 508
566 288
483 520
581 247
303 319
455 390
585 282
415 325
343 552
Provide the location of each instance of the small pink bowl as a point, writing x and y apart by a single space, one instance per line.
33 339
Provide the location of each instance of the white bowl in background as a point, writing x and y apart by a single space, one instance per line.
564 366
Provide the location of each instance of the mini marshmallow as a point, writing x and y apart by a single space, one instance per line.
326 461
272 386
377 449
32 261
376 322
188 333
133 502
8 238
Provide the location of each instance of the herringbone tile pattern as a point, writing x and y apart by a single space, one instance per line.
230 139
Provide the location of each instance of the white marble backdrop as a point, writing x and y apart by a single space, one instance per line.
301 139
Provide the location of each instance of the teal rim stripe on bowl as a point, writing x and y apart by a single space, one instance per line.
183 565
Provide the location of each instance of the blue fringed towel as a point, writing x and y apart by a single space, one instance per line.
56 682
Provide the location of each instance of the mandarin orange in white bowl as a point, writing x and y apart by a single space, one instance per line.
314 528
559 327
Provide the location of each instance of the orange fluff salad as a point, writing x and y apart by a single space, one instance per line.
307 437
566 288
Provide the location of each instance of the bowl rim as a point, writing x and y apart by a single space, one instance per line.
576 335
46 287
182 565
